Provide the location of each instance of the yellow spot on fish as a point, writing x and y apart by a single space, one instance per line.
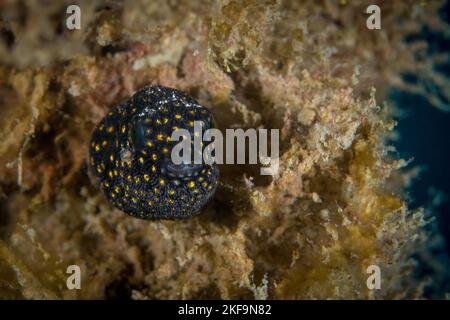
146 177
191 184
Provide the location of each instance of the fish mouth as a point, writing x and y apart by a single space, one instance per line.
183 170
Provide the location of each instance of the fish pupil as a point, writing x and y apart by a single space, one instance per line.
137 134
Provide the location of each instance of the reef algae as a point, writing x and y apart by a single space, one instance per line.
308 68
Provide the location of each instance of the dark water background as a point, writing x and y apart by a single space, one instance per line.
424 136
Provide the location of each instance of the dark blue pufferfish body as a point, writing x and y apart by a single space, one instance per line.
130 153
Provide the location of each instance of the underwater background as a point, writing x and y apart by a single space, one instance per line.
353 106
424 137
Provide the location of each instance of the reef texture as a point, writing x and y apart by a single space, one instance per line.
309 68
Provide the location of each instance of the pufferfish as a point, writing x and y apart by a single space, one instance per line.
130 154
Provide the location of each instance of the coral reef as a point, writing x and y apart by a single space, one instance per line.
309 68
